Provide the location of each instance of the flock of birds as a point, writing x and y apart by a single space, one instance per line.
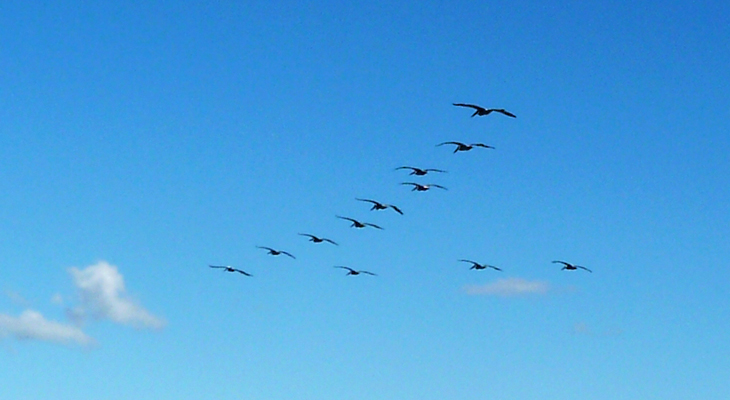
376 205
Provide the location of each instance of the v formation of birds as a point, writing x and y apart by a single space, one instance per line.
420 187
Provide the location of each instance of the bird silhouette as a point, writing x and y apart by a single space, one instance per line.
570 267
422 188
316 239
420 171
381 206
476 265
228 268
358 224
275 252
351 271
465 147
485 111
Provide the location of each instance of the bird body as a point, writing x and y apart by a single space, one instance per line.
317 239
478 266
228 268
381 206
465 147
358 224
274 252
570 267
351 271
420 171
422 188
485 111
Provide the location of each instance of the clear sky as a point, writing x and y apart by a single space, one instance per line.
141 142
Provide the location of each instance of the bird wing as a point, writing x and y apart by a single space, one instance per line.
349 219
410 183
493 267
367 272
373 225
217 266
476 107
242 272
308 235
562 262
578 266
369 201
343 267
438 186
405 167
470 261
456 143
505 112
266 248
483 145
434 170
288 254
396 209
330 241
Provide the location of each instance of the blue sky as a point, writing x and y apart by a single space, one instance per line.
142 142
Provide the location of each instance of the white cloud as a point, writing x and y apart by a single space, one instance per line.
32 325
509 287
103 296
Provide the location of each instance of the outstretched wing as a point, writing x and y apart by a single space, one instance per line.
368 200
242 272
330 241
265 248
343 267
434 170
455 143
287 253
474 106
562 262
578 266
308 235
349 219
483 145
367 272
218 266
505 112
493 267
396 209
438 186
373 225
470 261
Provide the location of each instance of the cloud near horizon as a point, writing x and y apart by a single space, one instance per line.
103 296
32 325
509 287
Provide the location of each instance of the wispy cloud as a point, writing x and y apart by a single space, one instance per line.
103 296
31 325
509 287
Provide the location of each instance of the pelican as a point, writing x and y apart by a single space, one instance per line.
351 271
316 239
420 171
422 188
358 224
570 267
228 268
381 206
485 111
476 265
465 147
275 252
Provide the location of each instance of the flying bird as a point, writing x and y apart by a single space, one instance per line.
485 111
476 265
381 206
275 252
420 171
358 224
422 188
465 147
230 269
351 271
570 267
316 239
